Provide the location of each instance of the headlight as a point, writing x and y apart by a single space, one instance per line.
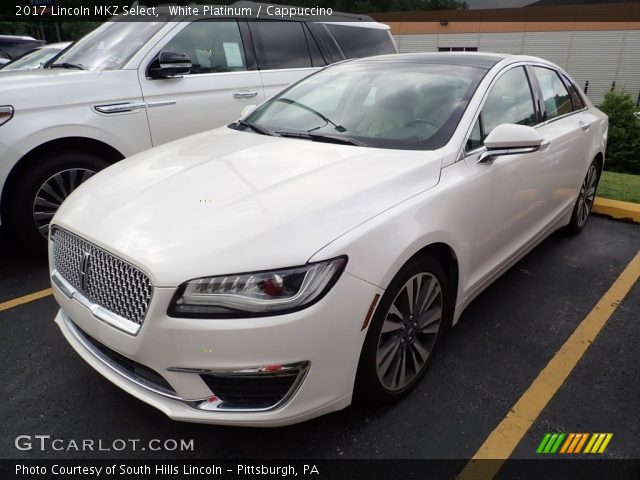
256 294
6 112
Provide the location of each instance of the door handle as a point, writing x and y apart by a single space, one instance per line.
245 94
584 125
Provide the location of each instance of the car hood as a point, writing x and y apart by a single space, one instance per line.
226 201
43 87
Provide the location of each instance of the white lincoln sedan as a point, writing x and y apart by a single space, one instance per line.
315 251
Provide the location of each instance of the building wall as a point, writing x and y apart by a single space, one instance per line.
599 57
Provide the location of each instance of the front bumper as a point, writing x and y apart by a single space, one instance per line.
322 342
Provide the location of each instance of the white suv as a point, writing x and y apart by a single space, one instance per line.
128 86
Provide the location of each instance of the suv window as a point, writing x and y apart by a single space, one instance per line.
576 99
509 101
13 47
359 42
212 46
554 94
281 45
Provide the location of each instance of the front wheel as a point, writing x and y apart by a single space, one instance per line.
584 202
41 191
404 332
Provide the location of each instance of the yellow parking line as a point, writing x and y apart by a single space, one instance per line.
26 299
501 443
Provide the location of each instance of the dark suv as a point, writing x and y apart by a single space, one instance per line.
11 46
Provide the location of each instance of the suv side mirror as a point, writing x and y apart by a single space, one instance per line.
170 64
511 139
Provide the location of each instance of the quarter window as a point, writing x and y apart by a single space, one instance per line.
359 42
576 99
554 94
475 139
281 45
212 46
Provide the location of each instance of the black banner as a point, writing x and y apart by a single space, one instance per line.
537 469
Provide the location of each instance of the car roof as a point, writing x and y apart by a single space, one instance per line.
466 59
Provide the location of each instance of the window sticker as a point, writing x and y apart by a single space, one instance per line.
233 54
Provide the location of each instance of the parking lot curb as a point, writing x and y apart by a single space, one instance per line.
616 209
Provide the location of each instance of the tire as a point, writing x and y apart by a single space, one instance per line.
584 202
373 386
40 190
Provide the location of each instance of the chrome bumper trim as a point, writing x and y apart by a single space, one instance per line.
209 403
217 404
100 313
104 359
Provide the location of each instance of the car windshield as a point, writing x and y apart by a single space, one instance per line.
36 59
109 46
383 104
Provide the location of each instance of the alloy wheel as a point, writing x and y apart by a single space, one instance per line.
53 192
587 195
409 331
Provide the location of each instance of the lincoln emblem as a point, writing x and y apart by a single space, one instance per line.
85 265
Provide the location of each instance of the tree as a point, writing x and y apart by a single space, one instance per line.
623 144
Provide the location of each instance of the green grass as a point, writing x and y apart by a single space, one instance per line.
620 186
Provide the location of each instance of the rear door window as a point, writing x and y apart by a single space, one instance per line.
557 100
359 42
281 45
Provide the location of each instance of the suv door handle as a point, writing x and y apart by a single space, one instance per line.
245 94
584 125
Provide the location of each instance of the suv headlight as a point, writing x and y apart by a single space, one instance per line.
256 294
6 113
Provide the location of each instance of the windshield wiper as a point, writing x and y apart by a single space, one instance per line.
320 137
256 128
339 128
74 66
317 137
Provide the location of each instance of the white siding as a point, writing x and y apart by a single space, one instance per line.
458 40
554 46
501 42
594 56
417 43
599 57
628 76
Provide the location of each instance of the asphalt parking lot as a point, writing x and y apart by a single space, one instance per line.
504 339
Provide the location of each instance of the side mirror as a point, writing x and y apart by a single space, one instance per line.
511 139
170 64
247 110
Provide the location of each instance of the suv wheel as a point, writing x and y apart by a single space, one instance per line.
41 191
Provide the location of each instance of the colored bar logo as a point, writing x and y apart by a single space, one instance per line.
574 443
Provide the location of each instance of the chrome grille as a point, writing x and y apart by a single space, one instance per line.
109 281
